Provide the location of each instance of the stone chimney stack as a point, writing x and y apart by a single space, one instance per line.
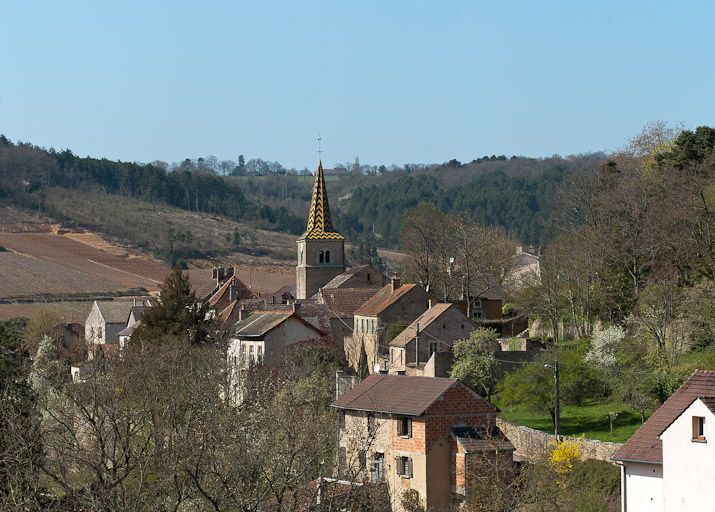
296 307
241 308
430 304
394 282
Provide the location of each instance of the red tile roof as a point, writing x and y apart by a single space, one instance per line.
385 298
395 394
645 445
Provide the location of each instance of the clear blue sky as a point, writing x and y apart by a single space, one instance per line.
392 82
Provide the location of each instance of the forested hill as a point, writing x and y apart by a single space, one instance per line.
27 172
516 196
513 193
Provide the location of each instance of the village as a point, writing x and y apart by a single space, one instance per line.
408 430
357 256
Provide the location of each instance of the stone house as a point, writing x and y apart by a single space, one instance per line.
262 337
416 434
668 463
394 305
435 330
105 320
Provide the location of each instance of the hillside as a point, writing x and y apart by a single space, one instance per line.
193 212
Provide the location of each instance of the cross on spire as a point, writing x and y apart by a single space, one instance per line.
320 151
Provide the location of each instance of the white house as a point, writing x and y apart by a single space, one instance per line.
689 458
261 340
667 464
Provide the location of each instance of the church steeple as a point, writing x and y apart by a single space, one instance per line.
319 226
321 249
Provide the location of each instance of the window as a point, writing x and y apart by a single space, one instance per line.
444 326
477 314
243 356
321 257
698 428
260 355
404 467
327 256
370 423
99 333
432 347
404 427
368 277
251 357
378 468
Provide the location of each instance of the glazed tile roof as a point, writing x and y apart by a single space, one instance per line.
645 445
395 394
385 298
319 226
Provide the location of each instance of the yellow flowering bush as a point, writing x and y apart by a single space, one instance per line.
566 453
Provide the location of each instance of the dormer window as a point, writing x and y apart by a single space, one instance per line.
699 429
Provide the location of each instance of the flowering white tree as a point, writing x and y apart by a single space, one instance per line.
604 345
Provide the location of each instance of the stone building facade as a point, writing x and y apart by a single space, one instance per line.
415 434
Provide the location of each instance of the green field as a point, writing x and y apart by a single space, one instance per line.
590 419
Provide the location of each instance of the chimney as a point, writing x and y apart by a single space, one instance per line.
296 307
430 304
241 308
232 293
394 282
519 249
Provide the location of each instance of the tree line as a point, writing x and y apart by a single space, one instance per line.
27 170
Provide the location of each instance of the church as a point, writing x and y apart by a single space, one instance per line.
321 249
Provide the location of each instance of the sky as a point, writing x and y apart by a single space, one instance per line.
388 81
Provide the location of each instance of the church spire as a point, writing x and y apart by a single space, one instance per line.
319 226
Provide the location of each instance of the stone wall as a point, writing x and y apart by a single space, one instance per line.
533 444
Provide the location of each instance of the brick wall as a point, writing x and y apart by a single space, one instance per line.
459 406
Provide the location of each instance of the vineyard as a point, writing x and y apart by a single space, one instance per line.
43 264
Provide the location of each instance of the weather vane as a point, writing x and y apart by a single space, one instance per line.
320 151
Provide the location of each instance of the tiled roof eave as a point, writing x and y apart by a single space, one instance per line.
393 412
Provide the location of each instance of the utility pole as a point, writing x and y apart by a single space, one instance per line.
557 405
417 344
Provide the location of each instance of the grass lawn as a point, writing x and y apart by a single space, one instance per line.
590 419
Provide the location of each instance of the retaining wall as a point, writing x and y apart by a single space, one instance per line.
533 444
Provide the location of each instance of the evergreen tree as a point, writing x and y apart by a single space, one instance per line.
177 313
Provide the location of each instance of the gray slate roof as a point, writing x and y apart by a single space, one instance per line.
114 312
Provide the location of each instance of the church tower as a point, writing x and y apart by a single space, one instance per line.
321 249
